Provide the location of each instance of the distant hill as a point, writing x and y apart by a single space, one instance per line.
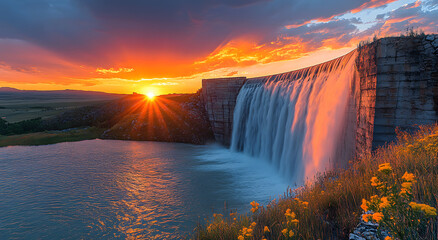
8 89
8 93
66 91
18 105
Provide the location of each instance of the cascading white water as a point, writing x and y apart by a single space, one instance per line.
301 121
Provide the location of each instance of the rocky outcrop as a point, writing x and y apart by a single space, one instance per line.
171 118
368 231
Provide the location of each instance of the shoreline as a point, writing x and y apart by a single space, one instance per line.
67 135
51 137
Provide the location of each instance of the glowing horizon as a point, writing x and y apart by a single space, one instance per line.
121 51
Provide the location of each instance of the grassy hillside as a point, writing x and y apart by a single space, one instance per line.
170 118
18 105
331 207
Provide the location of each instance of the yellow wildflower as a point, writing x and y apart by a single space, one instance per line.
284 231
241 237
407 185
306 204
388 238
364 205
295 221
384 203
377 216
234 219
291 233
366 217
253 224
255 206
374 198
428 210
385 168
290 214
266 229
409 177
374 182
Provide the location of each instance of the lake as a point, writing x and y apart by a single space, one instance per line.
100 189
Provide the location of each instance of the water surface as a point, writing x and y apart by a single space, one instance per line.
100 189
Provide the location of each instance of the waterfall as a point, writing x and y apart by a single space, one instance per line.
302 121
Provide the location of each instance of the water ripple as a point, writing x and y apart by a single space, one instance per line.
117 189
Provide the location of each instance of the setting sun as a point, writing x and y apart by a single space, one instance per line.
149 92
150 95
314 122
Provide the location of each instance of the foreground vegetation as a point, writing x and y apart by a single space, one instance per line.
51 137
398 182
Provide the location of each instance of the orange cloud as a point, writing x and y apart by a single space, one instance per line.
372 4
113 70
125 63
244 53
416 4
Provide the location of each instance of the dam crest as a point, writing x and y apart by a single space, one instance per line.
317 118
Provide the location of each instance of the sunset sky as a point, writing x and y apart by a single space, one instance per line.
169 46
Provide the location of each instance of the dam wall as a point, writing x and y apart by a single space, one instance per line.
396 87
219 96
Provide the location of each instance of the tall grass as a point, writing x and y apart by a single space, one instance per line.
332 208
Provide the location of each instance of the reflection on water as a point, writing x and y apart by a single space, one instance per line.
118 189
150 189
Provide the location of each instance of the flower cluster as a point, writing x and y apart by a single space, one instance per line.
428 143
246 232
291 223
426 209
385 168
255 206
394 208
303 203
217 218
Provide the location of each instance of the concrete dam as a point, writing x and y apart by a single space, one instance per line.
317 118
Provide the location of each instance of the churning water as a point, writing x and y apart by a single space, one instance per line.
300 121
103 189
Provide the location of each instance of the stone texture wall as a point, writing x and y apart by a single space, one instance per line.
407 85
365 95
397 88
220 96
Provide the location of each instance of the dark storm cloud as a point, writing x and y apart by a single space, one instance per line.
90 31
